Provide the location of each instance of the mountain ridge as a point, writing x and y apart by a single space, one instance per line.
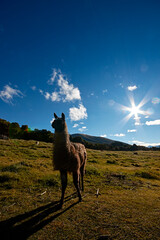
97 140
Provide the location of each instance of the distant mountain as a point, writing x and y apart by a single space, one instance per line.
100 140
157 146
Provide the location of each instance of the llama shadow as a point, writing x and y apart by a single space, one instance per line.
24 225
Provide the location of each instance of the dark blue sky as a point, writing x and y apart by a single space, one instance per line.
98 47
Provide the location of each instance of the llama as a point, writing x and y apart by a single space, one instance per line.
68 156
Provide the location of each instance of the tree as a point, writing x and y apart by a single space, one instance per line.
24 128
4 127
14 130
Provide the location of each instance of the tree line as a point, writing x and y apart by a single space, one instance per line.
13 130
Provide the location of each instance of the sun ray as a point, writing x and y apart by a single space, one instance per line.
135 110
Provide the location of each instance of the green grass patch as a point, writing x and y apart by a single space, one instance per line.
49 181
14 167
127 206
147 175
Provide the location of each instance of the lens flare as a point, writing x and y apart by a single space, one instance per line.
135 111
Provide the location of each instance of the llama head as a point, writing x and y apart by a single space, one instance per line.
59 124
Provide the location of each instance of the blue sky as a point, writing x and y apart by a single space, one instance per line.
97 61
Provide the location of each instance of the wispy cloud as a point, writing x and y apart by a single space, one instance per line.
8 93
138 124
55 97
66 91
33 88
53 76
47 95
104 91
140 143
131 130
82 129
103 135
155 122
41 91
52 120
132 88
156 100
119 135
121 85
77 114
75 125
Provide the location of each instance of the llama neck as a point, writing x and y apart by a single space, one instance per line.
62 139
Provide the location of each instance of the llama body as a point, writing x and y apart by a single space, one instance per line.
68 156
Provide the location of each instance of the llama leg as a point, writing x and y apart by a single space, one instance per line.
82 174
64 185
76 184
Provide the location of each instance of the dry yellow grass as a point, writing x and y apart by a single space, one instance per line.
127 207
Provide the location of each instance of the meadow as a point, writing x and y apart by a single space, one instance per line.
127 205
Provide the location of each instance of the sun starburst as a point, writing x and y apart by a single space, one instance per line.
135 110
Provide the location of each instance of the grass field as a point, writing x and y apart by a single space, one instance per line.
128 206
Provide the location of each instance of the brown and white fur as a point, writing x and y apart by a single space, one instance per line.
68 156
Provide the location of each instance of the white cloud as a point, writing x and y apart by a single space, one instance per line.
105 91
41 91
147 116
77 114
69 92
131 130
103 135
8 93
138 124
121 85
52 120
119 135
155 122
156 100
55 97
137 118
75 125
66 92
140 143
53 77
132 88
33 88
82 129
47 95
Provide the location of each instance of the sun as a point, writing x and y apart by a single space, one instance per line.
134 111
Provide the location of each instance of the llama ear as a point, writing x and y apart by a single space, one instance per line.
63 116
55 116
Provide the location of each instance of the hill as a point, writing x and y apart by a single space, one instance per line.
98 140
